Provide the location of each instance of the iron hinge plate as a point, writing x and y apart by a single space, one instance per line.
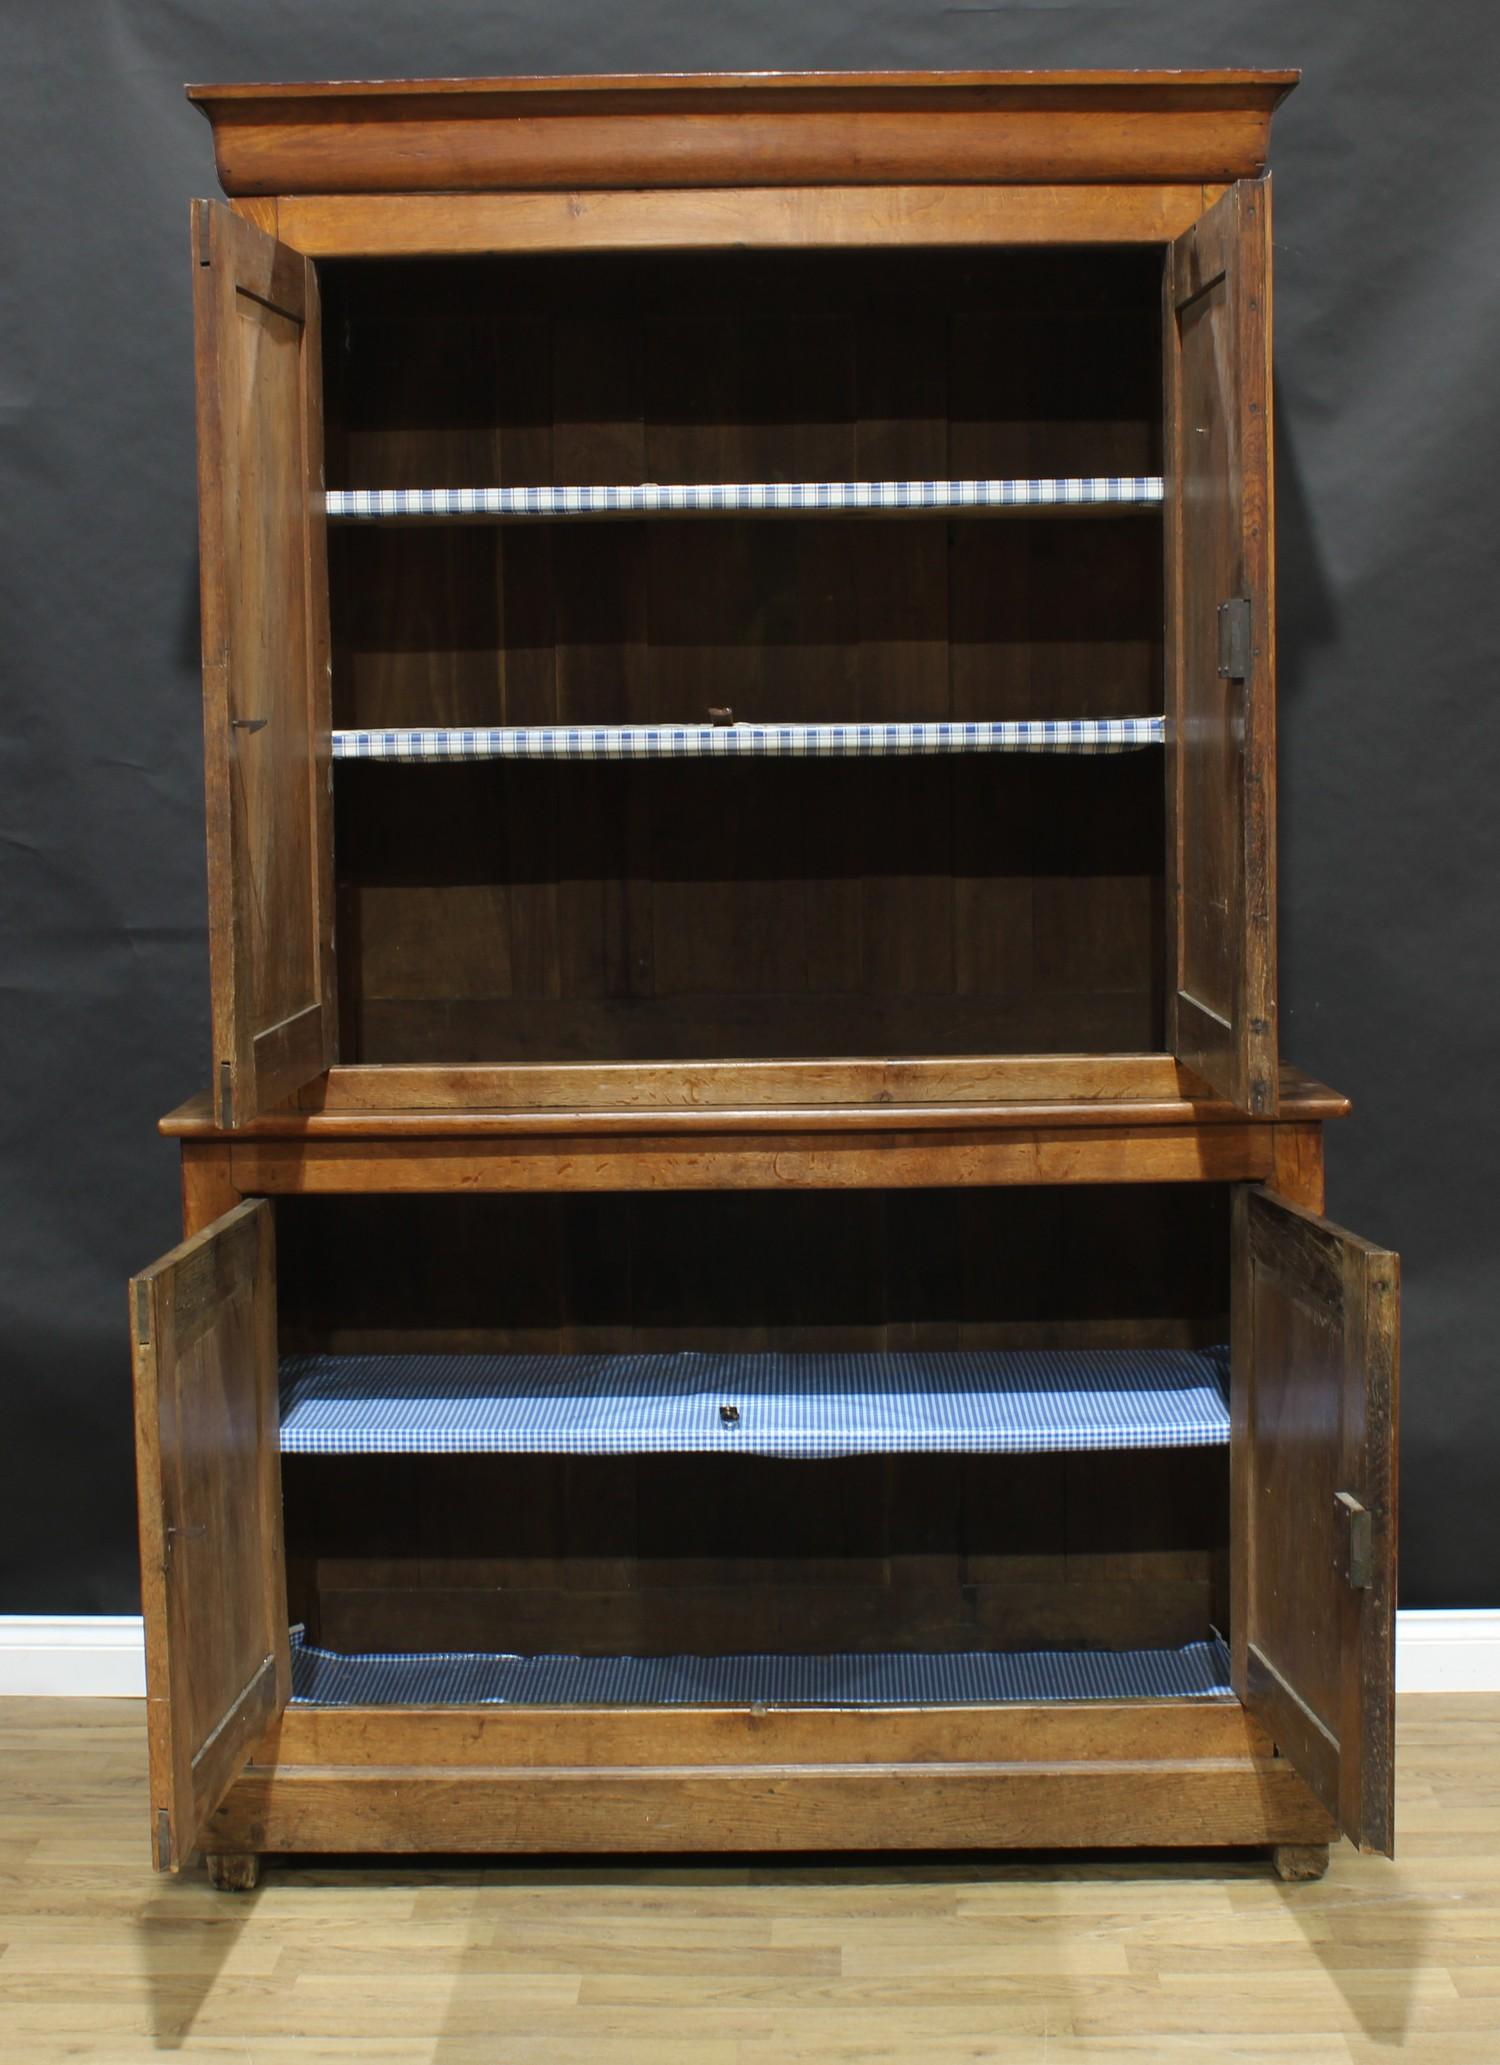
1235 649
1360 1566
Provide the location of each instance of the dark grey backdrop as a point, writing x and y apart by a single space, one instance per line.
1388 351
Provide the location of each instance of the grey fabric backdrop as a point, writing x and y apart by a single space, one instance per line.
1388 344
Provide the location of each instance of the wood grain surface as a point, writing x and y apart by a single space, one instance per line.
735 129
1316 1351
852 1159
264 598
1102 1804
754 218
1220 550
413 1100
203 1334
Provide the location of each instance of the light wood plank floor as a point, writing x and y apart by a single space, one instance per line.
909 1960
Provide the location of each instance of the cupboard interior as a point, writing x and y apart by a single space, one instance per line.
746 909
670 1555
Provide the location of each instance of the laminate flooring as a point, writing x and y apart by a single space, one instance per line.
846 1961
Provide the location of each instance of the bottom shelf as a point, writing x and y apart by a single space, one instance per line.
1198 1671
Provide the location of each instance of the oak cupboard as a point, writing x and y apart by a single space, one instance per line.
753 1276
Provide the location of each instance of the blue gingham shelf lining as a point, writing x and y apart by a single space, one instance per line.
801 1405
652 498
769 741
320 1677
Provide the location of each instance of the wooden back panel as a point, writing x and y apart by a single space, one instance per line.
1315 1344
672 1555
265 663
747 909
1221 700
1059 1266
213 1589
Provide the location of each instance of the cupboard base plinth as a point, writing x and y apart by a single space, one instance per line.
233 1871
1072 1798
1295 1862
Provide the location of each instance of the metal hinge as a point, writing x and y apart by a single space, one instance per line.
1360 1567
226 1095
1235 651
163 1840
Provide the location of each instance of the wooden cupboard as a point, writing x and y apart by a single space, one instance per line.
753 1276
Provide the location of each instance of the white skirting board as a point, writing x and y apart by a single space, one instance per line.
1448 1650
78 1655
100 1656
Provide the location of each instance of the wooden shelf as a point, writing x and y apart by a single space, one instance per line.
808 498
803 1405
1084 735
1198 1671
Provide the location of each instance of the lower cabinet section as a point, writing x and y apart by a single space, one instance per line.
988 1519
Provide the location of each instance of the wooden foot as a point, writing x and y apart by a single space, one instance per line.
1296 1861
238 1871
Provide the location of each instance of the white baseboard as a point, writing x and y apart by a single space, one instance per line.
1448 1650
80 1655
100 1656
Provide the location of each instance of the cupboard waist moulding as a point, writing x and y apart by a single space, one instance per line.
753 1277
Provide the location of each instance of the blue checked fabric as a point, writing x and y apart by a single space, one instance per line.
797 1405
769 741
802 497
1200 1671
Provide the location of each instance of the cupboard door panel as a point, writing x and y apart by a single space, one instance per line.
266 684
1313 1489
1220 649
213 1584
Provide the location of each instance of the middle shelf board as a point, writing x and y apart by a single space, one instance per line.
750 498
793 1404
753 741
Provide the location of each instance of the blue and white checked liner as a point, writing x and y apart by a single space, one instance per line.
769 741
749 498
1200 1671
799 1405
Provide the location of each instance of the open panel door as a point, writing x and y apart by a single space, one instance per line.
1313 1475
213 1579
266 688
1220 650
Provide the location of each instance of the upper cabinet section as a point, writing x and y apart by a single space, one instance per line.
731 129
799 580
